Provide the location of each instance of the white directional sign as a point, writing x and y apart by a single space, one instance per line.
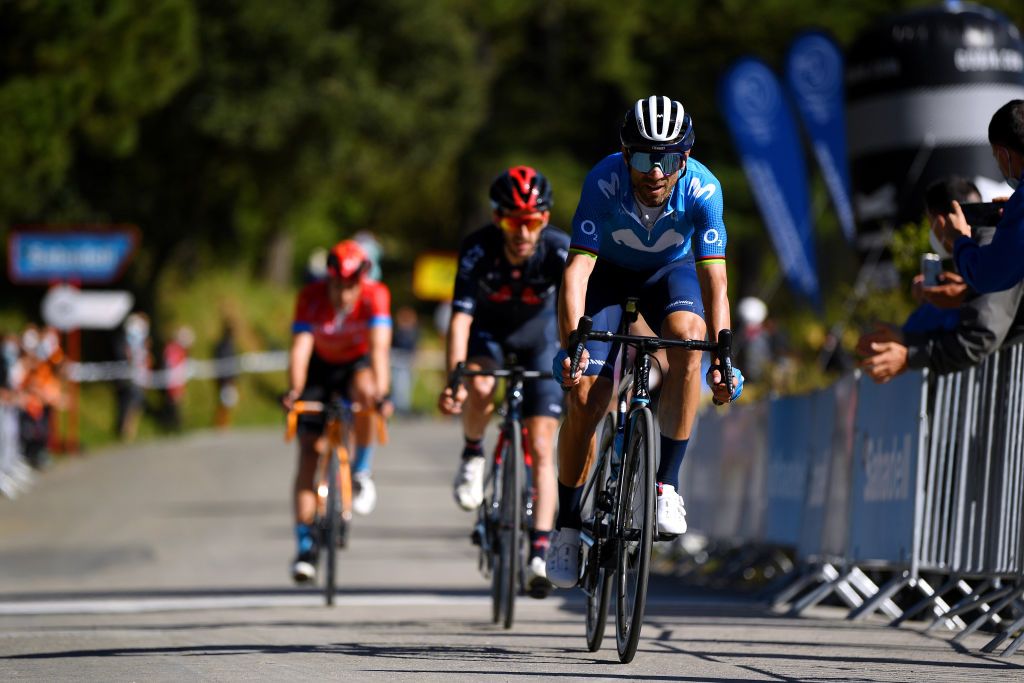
68 308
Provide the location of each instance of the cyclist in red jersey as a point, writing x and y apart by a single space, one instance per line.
341 341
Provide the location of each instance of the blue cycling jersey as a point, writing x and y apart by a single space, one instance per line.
608 225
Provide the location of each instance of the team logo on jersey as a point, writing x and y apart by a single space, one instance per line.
628 238
609 187
711 236
697 190
471 257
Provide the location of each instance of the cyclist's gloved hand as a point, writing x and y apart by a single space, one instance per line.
556 364
736 375
560 369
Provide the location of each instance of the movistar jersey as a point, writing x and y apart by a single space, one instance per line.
607 224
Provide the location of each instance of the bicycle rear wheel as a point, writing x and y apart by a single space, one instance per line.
599 577
508 541
332 527
635 526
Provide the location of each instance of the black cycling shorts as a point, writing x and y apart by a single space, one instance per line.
324 380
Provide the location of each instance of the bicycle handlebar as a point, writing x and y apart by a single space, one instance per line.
460 371
318 407
722 348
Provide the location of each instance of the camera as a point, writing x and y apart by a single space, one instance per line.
982 213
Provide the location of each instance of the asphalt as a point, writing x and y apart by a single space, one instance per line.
168 561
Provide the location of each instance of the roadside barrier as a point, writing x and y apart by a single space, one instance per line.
255 362
15 474
924 474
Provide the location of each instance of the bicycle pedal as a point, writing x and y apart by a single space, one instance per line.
663 537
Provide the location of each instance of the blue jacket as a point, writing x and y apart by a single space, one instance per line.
998 265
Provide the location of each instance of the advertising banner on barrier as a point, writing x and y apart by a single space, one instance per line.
813 75
885 466
836 525
742 465
786 466
765 133
820 428
700 477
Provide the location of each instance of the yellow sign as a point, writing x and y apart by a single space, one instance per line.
433 275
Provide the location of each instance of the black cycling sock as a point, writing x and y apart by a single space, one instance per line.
474 448
570 499
672 453
539 542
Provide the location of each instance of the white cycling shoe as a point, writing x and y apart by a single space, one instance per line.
365 499
671 513
536 578
563 559
304 567
468 487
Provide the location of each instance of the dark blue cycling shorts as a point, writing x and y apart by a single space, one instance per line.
666 290
541 397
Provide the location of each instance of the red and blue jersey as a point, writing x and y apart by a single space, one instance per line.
607 223
337 337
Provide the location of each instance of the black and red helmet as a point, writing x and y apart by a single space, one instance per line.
347 260
521 188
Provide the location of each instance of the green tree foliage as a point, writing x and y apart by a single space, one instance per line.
248 132
79 75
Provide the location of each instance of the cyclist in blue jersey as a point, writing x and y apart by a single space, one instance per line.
648 224
504 303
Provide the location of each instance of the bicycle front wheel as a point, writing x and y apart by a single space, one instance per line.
508 550
332 527
635 531
598 576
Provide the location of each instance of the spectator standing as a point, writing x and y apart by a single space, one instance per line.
999 264
134 349
176 369
404 340
225 355
754 352
983 322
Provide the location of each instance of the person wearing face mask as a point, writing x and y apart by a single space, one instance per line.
998 265
134 348
955 327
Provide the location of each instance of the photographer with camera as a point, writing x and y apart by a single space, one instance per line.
955 327
998 265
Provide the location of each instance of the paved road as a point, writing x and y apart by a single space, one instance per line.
168 562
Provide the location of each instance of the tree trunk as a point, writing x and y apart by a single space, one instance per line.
278 258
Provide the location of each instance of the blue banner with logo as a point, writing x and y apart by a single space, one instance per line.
764 130
69 256
789 456
813 75
884 497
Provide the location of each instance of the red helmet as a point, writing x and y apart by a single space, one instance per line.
521 188
347 260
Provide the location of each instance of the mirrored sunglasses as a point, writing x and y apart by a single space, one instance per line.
532 222
668 162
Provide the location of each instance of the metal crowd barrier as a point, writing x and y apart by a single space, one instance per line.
15 474
922 474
